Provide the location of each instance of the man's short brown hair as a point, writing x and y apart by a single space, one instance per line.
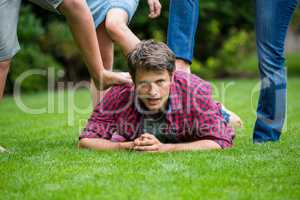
150 55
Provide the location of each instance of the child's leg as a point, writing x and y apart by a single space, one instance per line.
106 49
4 68
116 26
9 45
81 24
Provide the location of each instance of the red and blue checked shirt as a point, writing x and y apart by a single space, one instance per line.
192 114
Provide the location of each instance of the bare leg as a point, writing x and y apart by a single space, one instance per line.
107 53
182 65
4 68
115 29
116 25
106 47
82 27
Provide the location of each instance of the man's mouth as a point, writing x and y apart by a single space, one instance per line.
153 101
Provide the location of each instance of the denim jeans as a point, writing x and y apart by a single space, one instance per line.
272 20
183 21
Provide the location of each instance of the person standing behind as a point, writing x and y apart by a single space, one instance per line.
182 27
272 20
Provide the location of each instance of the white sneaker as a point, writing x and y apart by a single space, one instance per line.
234 120
2 150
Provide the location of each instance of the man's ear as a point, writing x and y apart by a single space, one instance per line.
172 76
132 77
133 80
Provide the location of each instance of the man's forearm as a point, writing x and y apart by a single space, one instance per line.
102 144
192 146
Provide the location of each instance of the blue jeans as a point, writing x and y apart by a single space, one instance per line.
183 21
272 20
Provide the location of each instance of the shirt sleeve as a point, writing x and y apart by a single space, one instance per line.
102 122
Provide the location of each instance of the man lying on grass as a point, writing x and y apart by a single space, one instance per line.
163 111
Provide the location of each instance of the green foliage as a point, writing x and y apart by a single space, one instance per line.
146 28
235 49
59 41
293 64
217 22
30 28
249 65
228 58
31 56
224 41
295 24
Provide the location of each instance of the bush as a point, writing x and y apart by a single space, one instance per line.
233 52
224 42
31 56
58 41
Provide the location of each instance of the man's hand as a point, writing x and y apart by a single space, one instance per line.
154 8
126 145
108 79
149 143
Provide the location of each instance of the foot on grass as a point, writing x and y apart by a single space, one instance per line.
182 65
2 150
234 120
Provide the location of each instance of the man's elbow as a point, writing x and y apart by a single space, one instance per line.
224 144
211 144
83 143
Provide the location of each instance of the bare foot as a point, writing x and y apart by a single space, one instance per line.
112 78
182 65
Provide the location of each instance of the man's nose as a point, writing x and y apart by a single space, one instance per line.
153 89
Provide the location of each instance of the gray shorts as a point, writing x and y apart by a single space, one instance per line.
9 15
100 8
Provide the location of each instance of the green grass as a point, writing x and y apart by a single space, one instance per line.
45 164
250 65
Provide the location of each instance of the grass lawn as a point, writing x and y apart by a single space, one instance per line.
45 164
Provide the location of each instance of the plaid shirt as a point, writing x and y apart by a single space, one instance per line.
192 114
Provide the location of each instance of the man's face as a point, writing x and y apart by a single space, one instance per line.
153 88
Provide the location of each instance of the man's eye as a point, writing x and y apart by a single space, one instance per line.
143 85
160 82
